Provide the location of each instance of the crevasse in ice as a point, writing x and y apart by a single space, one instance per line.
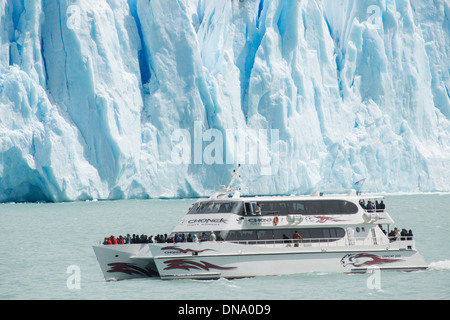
162 98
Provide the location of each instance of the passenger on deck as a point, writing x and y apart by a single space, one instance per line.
409 235
258 209
396 234
393 235
403 234
362 204
370 207
296 238
113 240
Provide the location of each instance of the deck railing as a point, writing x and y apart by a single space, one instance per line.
326 242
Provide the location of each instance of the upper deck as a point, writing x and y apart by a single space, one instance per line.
327 212
318 203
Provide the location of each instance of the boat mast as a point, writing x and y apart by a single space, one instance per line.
226 191
234 175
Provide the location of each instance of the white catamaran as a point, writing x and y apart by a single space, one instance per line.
262 236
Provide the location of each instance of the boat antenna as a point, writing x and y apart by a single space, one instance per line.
234 175
224 191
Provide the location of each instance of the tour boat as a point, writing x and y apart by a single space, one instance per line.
271 235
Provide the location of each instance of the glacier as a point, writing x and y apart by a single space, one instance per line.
138 99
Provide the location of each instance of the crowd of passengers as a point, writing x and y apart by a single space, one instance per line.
372 207
162 238
395 235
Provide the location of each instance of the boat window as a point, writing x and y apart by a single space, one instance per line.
348 207
264 234
298 208
216 207
237 235
308 207
308 234
331 207
201 235
314 234
250 208
314 207
269 208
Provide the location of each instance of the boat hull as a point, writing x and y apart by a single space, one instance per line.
212 260
118 262
228 260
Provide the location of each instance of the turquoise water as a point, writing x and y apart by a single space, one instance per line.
41 241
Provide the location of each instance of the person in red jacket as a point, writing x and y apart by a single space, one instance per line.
121 240
113 240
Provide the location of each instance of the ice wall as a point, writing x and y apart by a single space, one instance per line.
162 98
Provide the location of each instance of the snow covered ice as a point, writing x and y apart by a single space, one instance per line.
116 99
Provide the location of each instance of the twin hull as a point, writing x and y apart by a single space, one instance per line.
211 260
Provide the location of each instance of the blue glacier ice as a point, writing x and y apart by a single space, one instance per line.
123 99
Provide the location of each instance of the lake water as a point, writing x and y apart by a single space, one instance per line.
43 243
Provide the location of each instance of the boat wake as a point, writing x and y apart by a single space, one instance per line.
440 265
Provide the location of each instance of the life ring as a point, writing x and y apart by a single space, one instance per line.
275 221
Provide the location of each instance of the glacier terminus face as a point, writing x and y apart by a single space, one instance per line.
124 99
